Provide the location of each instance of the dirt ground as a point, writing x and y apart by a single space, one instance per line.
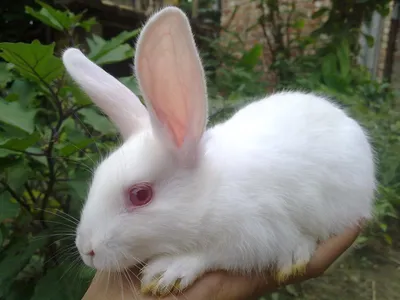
371 273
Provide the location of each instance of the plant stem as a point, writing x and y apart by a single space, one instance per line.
20 200
49 154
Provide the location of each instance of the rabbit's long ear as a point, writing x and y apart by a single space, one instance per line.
110 95
171 78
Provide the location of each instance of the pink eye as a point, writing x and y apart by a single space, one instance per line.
140 194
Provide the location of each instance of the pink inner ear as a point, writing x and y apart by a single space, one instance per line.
171 76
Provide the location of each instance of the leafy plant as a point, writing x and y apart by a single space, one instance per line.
50 138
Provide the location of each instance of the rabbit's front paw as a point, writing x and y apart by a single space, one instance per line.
171 274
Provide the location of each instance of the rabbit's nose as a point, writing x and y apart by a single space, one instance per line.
90 253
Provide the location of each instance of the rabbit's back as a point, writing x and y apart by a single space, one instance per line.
300 157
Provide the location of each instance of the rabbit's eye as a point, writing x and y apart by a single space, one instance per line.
140 194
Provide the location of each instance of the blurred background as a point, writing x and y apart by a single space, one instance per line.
51 136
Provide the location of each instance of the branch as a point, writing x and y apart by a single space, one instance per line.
230 20
288 21
51 164
74 110
49 153
261 21
49 156
20 200
67 204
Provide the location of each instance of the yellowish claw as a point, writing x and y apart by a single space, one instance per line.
281 276
148 289
297 269
177 286
155 289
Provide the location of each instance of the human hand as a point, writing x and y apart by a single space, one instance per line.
221 285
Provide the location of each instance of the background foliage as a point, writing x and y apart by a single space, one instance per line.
52 136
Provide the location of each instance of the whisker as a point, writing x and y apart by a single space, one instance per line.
69 218
63 251
120 277
67 234
76 261
73 228
108 280
128 270
128 280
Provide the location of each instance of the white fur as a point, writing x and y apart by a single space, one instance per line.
258 190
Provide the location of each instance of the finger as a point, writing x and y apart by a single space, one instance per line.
329 251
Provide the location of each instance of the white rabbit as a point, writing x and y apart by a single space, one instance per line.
257 191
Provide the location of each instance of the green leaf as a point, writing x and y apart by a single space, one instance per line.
56 285
34 61
73 133
88 24
391 172
6 152
329 72
71 148
41 159
319 13
343 55
299 24
78 188
21 290
7 162
20 144
78 185
79 95
119 53
5 74
275 296
370 40
25 90
292 290
97 121
17 175
8 209
16 256
51 287
15 115
131 83
388 239
361 239
60 20
115 50
251 58
87 273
